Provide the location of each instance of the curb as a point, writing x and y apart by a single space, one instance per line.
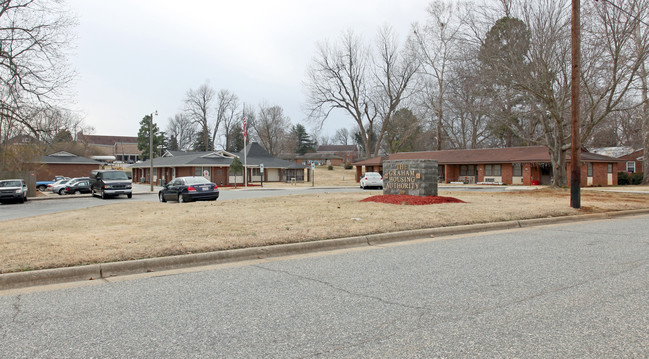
113 269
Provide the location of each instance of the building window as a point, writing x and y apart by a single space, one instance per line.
202 171
630 167
590 169
467 170
517 170
255 172
610 168
492 170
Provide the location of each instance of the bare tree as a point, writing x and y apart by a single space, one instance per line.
339 78
341 136
198 107
466 123
544 76
270 128
34 38
227 107
183 129
436 41
394 70
367 86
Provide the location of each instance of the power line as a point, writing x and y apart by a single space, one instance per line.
625 11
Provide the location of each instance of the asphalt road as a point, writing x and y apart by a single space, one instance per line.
564 291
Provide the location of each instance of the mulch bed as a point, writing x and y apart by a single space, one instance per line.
411 200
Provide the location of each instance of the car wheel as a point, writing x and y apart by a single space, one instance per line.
161 197
60 192
77 192
42 188
103 195
180 198
129 195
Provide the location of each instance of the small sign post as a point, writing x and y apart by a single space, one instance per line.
313 174
261 171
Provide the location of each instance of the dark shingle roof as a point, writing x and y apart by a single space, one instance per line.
533 154
337 148
256 155
68 158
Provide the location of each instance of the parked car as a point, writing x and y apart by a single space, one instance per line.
372 179
13 190
61 189
78 187
109 183
185 189
59 184
42 185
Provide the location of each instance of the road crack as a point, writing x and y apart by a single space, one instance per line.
14 317
343 290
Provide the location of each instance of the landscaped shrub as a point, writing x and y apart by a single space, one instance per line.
330 167
622 178
348 166
636 178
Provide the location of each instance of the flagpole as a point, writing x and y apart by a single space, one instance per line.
245 154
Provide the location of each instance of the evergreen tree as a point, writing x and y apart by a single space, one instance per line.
236 139
235 168
173 143
199 144
143 137
63 136
303 142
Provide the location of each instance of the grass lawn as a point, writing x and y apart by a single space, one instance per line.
143 230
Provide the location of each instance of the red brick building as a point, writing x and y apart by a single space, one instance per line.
515 165
632 162
65 164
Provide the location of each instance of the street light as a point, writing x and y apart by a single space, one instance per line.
151 149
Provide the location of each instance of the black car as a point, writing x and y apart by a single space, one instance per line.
185 189
14 190
82 186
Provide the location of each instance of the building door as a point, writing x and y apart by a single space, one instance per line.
546 174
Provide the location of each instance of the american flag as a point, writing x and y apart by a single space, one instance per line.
245 130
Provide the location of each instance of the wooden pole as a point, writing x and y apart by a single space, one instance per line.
575 153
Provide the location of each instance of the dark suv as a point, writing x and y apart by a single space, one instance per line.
109 183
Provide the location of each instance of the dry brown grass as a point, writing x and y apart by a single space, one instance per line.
142 230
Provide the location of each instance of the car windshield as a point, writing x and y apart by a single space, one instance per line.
10 184
372 174
196 180
117 175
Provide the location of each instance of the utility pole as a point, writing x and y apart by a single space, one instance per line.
575 152
151 149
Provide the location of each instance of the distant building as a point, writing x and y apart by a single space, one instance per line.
633 161
113 148
513 165
65 164
348 153
215 165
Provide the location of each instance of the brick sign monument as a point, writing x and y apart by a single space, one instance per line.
411 177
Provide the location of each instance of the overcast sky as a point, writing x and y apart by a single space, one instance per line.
136 57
